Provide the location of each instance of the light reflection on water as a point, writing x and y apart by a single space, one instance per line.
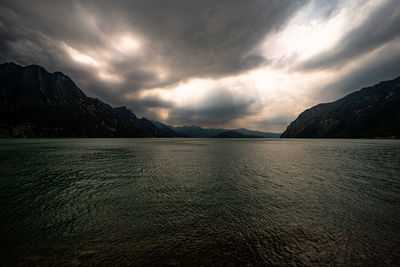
199 201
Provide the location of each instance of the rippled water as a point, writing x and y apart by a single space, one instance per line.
199 201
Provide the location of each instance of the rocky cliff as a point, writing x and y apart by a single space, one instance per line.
36 103
372 112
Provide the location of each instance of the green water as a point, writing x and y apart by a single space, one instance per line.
199 202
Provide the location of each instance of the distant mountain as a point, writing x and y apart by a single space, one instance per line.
233 134
36 103
372 112
167 129
199 132
257 133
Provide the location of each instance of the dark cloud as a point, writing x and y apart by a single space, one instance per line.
180 40
186 38
381 27
195 38
384 66
217 108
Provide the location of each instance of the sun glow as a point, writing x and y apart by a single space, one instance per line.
126 44
78 56
110 77
99 66
306 36
279 89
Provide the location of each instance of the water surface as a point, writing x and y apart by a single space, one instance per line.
199 201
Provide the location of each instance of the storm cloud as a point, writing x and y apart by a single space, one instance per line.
210 63
380 28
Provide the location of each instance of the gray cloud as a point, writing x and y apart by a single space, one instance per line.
384 66
324 9
219 107
182 40
195 38
187 38
379 28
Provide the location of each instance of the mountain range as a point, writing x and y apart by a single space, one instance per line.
36 103
199 132
372 112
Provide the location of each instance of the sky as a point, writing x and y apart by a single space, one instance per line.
228 63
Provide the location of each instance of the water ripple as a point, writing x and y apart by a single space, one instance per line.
199 202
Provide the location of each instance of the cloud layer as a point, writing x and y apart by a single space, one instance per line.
253 64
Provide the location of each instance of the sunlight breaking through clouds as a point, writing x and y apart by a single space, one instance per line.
126 44
100 68
78 56
254 64
307 35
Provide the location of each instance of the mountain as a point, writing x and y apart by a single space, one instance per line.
199 132
233 134
257 133
372 112
36 103
167 129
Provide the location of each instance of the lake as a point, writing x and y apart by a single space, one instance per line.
199 202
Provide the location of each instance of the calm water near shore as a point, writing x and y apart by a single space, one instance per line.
199 201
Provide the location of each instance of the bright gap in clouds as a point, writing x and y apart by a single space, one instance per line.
306 35
277 93
270 95
124 44
169 81
78 56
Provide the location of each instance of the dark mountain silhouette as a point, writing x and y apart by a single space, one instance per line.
257 133
36 103
167 129
199 132
233 134
372 112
